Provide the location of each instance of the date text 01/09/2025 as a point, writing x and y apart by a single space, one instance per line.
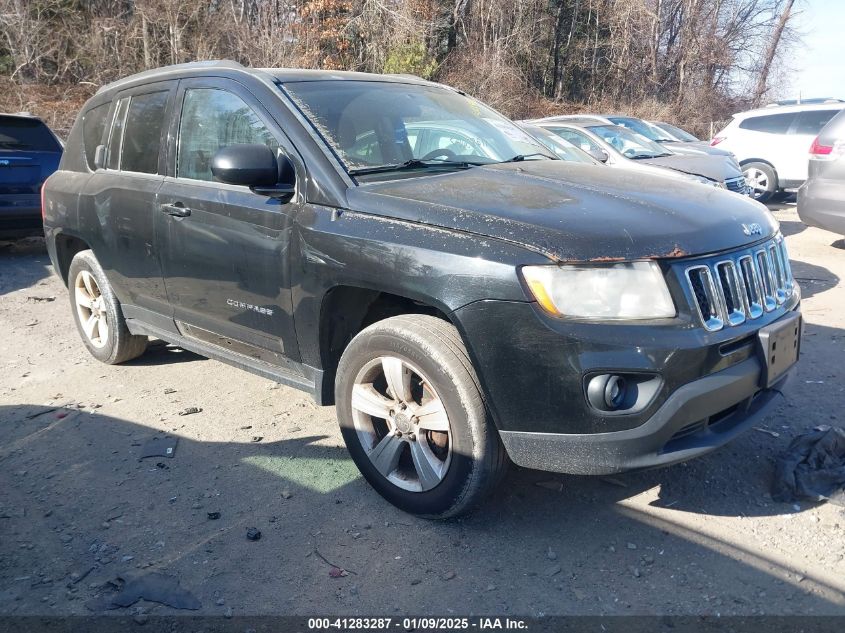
417 624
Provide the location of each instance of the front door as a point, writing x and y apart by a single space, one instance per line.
224 249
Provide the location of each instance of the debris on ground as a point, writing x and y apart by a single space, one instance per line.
551 484
159 447
767 431
337 572
253 534
190 410
257 438
813 467
153 587
38 299
169 390
286 494
213 516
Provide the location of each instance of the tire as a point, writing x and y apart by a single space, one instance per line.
424 470
92 299
762 179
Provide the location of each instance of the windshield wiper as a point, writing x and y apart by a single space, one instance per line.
521 157
414 163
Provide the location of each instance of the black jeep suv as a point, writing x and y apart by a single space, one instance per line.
402 251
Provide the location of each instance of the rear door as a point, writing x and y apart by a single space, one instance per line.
118 209
224 249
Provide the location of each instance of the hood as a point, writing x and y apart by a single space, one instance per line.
695 148
718 168
572 212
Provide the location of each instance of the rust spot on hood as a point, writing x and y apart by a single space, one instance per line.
607 259
677 251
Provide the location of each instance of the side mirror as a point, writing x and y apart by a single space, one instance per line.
599 154
100 157
256 167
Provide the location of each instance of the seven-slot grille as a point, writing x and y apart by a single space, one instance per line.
741 285
739 185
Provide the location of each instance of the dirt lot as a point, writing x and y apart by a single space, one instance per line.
78 508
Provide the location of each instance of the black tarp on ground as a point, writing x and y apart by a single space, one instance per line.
812 468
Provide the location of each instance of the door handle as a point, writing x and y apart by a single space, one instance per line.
176 209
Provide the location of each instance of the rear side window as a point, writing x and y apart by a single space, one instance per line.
213 119
26 134
142 134
769 123
813 121
93 125
116 137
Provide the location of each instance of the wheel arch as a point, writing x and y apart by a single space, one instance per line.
67 246
346 310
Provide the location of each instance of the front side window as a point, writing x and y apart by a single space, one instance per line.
628 143
142 134
375 124
769 123
577 139
213 119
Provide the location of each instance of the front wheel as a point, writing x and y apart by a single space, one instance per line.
762 179
413 418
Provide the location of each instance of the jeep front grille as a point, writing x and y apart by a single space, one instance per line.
741 286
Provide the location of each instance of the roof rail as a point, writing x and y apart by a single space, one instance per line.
213 63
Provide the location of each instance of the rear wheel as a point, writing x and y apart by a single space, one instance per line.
97 313
762 179
413 419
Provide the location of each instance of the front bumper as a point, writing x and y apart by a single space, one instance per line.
697 418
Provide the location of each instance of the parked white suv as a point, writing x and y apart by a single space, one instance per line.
771 144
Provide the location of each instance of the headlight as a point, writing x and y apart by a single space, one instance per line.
708 181
634 290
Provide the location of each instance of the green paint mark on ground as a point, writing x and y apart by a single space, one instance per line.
313 473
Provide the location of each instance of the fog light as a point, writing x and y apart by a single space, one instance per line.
607 392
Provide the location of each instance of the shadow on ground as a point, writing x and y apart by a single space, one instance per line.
78 500
23 263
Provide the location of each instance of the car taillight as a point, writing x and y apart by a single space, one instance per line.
716 140
817 149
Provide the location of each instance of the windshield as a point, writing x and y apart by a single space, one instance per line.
26 134
628 143
563 149
639 126
678 133
379 125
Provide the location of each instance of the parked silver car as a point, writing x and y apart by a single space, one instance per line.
821 199
620 147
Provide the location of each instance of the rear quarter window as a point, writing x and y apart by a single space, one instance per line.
813 121
26 135
93 125
768 123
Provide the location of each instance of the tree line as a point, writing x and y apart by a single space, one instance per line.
687 61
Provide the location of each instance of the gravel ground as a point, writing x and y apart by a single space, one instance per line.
79 509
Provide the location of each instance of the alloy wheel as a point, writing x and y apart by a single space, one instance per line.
91 309
757 180
402 424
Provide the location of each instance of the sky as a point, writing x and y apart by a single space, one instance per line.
819 62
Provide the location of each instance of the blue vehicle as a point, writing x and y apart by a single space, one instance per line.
29 153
